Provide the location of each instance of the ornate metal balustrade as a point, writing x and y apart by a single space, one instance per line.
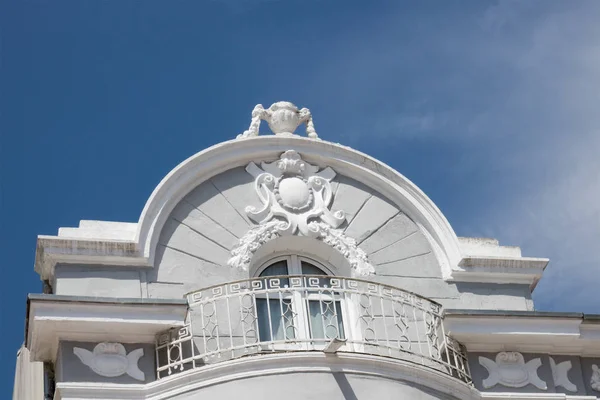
309 313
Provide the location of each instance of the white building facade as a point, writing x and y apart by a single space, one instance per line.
285 266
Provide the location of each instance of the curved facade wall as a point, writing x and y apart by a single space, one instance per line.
315 385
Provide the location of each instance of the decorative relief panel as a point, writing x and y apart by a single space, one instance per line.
295 199
560 374
510 369
112 360
595 380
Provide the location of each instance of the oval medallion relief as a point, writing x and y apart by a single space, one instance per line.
294 193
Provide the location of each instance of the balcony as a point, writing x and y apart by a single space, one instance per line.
309 313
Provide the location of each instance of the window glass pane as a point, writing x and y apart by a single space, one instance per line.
277 268
281 326
309 269
325 318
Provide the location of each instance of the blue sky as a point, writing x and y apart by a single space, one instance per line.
490 107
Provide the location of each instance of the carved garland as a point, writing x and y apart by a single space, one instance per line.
296 198
256 237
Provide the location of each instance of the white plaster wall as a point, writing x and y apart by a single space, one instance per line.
98 281
314 385
196 241
29 377
206 225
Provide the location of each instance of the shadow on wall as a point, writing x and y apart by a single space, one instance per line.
344 386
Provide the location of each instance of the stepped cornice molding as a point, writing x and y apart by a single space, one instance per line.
52 318
525 331
137 250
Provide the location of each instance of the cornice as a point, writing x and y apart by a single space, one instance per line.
499 270
457 264
53 318
533 332
273 364
235 153
533 396
286 363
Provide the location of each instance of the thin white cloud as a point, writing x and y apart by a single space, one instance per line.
555 102
418 124
519 81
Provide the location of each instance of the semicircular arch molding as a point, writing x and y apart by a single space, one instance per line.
346 162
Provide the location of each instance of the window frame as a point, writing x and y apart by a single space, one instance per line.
294 262
301 305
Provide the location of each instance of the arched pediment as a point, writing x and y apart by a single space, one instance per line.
212 205
387 218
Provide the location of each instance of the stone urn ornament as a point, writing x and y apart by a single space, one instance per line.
283 118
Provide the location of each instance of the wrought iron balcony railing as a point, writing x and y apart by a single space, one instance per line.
309 313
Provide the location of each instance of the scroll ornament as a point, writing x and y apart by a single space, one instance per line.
295 199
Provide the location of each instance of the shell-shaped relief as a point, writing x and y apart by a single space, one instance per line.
510 369
595 380
111 360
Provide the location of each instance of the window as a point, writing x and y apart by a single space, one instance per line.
306 311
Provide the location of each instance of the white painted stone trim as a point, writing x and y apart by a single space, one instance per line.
29 377
107 230
285 363
595 379
533 396
236 153
487 247
111 360
510 369
560 374
283 118
272 364
53 321
296 199
553 335
521 270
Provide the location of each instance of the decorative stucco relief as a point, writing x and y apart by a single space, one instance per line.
560 374
111 360
295 199
283 118
510 370
595 381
